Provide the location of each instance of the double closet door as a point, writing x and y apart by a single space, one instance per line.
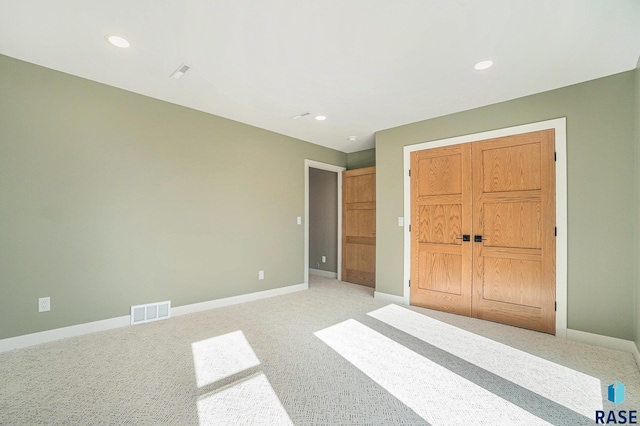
483 237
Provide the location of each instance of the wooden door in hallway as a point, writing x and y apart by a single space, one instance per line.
510 253
359 226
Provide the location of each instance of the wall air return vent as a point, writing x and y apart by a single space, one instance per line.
150 312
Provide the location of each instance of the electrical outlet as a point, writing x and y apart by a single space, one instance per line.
324 259
44 304
299 220
261 275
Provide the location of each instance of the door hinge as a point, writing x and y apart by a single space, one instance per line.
409 172
555 306
555 156
409 283
555 232
409 228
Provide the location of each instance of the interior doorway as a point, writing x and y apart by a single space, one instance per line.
318 195
323 223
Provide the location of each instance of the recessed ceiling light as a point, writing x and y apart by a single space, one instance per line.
320 117
483 65
118 41
352 138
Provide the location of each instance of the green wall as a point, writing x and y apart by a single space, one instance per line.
110 199
361 159
601 193
638 205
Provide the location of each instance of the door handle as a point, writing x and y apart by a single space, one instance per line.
478 239
465 237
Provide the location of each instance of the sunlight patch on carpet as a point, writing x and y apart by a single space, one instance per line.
572 389
247 402
433 392
222 356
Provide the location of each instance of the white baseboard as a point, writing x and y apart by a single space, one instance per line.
326 274
26 340
234 300
605 342
388 297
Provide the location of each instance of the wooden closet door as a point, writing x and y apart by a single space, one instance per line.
359 226
441 214
514 220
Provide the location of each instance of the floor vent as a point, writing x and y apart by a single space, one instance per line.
150 312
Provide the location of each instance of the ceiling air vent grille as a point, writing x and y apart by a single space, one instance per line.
181 70
150 312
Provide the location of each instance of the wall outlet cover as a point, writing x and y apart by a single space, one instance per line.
44 304
261 275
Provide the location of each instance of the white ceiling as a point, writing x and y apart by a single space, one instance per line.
367 65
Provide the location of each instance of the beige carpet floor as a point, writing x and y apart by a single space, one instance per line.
332 355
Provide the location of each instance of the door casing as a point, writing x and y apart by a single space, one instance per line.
559 125
331 168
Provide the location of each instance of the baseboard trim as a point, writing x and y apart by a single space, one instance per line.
234 300
326 274
386 297
605 342
33 339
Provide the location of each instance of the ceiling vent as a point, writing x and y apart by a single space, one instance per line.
181 71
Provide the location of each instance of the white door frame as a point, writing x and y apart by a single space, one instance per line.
560 127
331 168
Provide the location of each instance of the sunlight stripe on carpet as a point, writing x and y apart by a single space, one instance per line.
433 392
221 357
248 402
572 389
